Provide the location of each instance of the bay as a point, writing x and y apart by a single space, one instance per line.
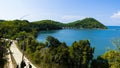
100 39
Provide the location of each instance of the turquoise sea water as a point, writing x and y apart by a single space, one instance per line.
100 39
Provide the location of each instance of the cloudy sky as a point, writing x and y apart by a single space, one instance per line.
106 11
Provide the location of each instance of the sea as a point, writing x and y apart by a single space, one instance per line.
101 39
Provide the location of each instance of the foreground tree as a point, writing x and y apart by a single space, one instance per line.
80 54
3 51
113 56
99 63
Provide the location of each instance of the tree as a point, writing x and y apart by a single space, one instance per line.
3 51
113 56
99 63
52 42
81 54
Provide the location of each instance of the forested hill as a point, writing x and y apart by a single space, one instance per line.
47 25
88 23
13 27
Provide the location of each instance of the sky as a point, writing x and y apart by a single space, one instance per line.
106 11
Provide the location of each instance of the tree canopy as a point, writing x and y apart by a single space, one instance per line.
52 53
88 23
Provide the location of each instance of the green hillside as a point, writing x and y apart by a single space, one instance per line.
47 25
88 23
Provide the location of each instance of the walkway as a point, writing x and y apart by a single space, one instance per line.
18 55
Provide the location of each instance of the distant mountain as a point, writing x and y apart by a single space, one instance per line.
88 23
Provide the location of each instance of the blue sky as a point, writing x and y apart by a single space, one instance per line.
106 11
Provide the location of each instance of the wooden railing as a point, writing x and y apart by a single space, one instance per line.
13 60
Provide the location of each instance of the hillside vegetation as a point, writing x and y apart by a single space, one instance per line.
88 23
52 53
47 25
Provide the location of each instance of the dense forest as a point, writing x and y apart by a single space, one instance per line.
47 25
53 53
3 52
88 23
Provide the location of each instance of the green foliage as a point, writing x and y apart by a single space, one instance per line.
52 42
53 53
46 25
2 21
99 63
10 28
58 54
88 23
81 54
3 52
113 56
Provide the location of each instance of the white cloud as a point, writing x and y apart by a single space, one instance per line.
116 15
115 19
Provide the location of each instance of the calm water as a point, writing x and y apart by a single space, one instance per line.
100 39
